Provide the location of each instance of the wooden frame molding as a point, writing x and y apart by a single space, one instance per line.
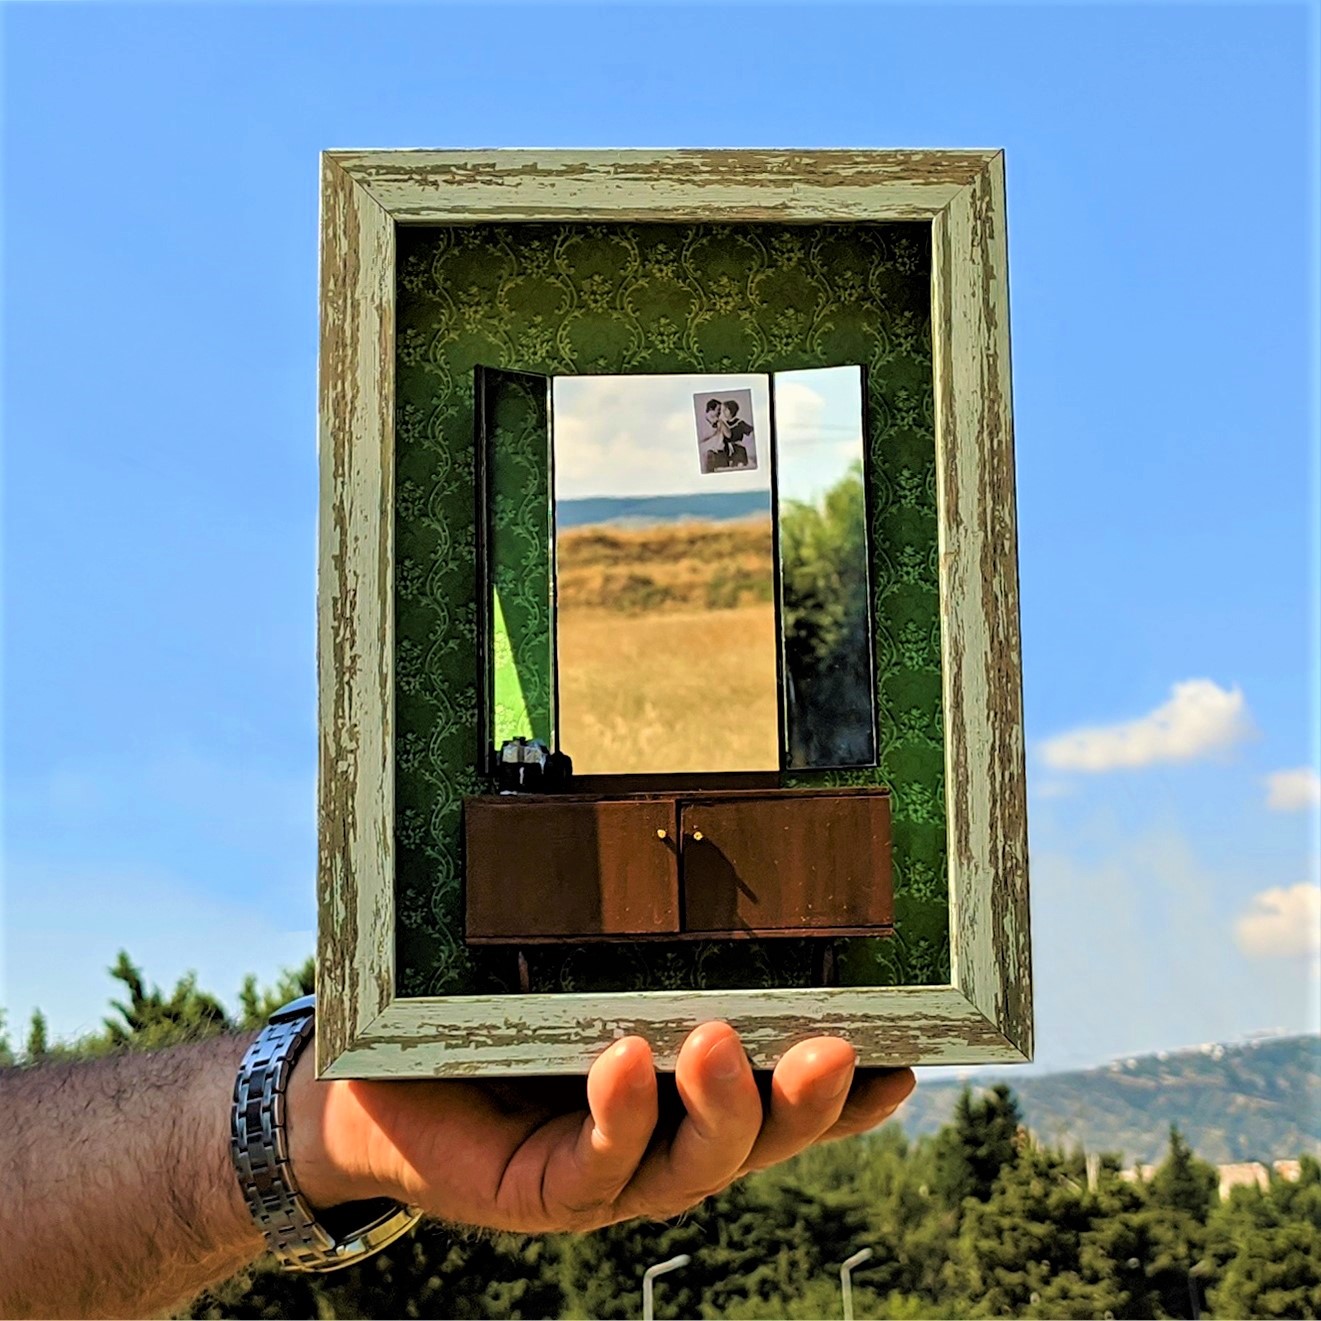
985 1014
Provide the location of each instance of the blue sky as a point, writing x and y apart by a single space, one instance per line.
160 247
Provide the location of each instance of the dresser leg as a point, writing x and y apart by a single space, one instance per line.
524 974
825 963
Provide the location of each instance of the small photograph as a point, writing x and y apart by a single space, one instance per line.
726 436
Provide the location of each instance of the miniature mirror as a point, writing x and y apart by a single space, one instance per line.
515 531
825 598
664 570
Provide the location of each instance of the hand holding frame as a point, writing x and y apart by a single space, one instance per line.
539 1155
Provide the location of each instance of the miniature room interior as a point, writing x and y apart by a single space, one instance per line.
667 608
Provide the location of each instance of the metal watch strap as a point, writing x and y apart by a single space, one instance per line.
302 1239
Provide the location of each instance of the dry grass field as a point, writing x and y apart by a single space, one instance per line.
667 648
672 566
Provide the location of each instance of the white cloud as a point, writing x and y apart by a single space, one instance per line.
1297 790
1133 945
798 407
1049 788
637 435
1282 923
1200 719
818 421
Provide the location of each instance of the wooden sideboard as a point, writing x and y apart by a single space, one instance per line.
683 865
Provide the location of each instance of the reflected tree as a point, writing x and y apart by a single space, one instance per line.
828 673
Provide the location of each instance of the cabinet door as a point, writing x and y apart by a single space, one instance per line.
556 870
786 863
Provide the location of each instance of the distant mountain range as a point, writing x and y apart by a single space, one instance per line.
643 511
1260 1100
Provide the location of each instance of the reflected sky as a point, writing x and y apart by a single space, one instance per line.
818 415
634 435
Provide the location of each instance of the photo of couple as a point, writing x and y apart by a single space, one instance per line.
726 441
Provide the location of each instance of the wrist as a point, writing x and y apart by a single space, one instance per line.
327 1165
299 1157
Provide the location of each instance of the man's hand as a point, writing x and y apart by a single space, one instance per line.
124 1163
557 1154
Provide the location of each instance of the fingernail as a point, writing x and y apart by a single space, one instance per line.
727 1060
639 1074
838 1082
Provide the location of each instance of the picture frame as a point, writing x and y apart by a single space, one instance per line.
983 1014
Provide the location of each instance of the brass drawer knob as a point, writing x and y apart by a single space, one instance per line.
661 833
697 834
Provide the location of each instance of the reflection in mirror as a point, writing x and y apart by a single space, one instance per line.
521 660
665 616
829 682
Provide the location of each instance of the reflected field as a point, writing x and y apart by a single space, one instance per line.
667 641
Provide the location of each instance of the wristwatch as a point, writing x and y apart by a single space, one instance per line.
302 1239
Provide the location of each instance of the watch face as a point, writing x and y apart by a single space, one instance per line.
294 1009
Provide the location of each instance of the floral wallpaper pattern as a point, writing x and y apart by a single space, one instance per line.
597 298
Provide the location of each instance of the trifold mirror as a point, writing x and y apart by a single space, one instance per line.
676 570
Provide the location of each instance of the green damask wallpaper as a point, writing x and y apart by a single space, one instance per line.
594 298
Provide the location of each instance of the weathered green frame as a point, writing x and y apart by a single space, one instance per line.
985 1014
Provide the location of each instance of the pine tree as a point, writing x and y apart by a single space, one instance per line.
1266 1248
1184 1183
983 1140
148 1020
911 1225
601 1273
1179 1200
1020 1252
1113 1253
258 1005
38 1047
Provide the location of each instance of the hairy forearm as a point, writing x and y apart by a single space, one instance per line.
118 1192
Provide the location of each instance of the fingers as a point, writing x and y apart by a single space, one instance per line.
724 1116
563 1169
808 1091
876 1094
584 1178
